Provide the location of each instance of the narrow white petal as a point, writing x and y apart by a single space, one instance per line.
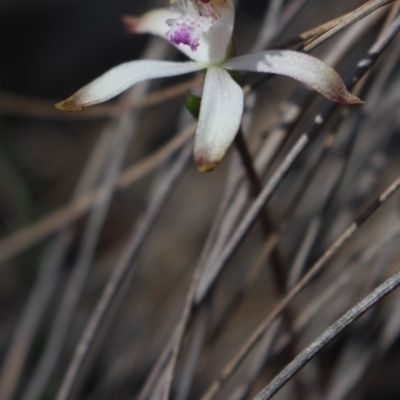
155 22
300 66
220 115
121 78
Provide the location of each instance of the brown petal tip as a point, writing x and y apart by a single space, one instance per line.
69 105
350 99
205 166
131 23
341 95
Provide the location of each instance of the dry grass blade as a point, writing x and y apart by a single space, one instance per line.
48 277
200 331
122 274
270 27
78 278
322 33
314 270
26 237
354 268
306 355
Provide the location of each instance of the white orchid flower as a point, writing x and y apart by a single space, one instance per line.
202 29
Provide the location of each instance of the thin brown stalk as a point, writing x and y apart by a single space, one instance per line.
48 277
28 236
314 270
322 33
121 275
334 330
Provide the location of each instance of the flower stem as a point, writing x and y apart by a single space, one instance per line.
265 218
269 228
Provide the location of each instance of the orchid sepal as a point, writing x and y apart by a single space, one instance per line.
122 77
219 120
302 67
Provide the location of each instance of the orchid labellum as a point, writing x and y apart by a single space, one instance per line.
202 29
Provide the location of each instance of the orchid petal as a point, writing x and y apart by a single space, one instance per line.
121 78
219 120
153 22
300 66
203 30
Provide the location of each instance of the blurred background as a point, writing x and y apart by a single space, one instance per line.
115 188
